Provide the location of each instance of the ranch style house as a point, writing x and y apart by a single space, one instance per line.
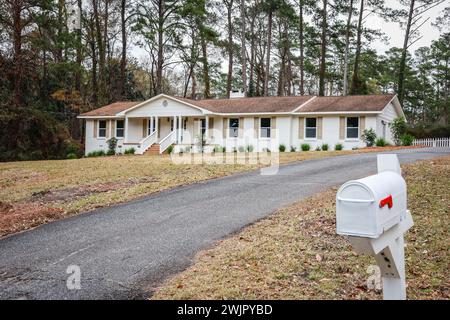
264 123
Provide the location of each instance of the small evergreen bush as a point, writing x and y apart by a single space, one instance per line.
305 147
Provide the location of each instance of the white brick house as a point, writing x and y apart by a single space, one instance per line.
263 122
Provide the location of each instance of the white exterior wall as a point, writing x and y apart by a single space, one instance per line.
99 143
384 131
286 128
330 133
248 138
134 131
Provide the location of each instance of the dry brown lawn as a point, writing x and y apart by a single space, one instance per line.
296 254
36 192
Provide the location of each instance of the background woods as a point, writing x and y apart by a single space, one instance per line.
62 57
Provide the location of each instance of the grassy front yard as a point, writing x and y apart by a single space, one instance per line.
36 192
296 254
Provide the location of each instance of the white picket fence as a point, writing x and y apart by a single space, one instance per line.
434 142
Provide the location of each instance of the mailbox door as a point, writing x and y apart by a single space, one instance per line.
356 211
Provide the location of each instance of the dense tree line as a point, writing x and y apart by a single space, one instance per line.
62 57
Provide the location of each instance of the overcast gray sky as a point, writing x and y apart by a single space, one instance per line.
391 30
396 35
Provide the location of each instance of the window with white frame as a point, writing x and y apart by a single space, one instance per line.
102 128
310 128
120 126
234 127
265 127
352 130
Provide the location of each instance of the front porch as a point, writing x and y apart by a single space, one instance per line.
154 134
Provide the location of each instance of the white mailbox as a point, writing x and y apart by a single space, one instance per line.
372 213
368 207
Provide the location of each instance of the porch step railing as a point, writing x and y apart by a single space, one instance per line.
146 143
433 142
167 141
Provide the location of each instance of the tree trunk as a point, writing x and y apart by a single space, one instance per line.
243 51
401 72
230 48
194 87
101 55
17 54
78 51
123 59
252 56
302 51
160 62
207 90
323 50
269 44
356 82
347 44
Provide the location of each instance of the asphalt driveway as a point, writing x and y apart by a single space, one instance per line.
124 251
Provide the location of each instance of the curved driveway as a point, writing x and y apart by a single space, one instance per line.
125 250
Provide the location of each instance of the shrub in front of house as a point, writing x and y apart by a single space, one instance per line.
293 149
338 147
170 149
130 151
369 136
380 142
398 129
305 147
72 156
219 149
112 145
97 153
249 148
318 148
74 147
325 147
407 139
282 148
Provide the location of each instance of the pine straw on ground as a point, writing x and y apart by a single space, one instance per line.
296 254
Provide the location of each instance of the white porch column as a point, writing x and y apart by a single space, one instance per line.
206 127
180 128
175 127
157 127
125 133
151 125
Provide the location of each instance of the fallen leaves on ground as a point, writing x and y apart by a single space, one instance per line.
296 254
57 189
